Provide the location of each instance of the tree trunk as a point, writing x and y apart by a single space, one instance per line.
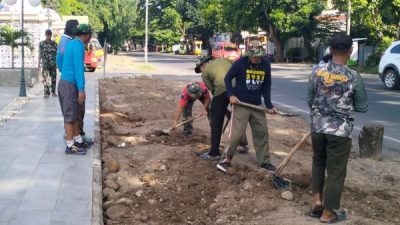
310 52
274 35
12 58
187 45
278 50
370 141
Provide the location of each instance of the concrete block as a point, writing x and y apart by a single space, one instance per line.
32 218
38 201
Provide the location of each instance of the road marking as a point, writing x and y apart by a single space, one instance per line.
355 127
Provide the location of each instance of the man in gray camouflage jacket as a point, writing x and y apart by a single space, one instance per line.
335 92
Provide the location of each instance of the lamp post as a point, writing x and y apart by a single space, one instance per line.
22 88
146 39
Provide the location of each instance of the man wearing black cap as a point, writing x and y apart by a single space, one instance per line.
47 57
213 74
335 92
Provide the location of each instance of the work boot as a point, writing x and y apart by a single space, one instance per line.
268 167
187 132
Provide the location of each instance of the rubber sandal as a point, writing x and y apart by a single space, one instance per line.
316 213
340 216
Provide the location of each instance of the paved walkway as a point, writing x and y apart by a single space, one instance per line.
39 184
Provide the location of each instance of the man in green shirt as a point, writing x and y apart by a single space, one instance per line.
213 74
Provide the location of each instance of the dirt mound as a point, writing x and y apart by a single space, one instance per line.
160 180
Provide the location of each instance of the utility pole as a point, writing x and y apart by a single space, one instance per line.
146 32
22 88
348 27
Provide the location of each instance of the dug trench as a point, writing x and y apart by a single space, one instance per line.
149 178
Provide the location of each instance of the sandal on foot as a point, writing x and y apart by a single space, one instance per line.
316 212
339 216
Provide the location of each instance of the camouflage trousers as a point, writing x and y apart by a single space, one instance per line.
49 80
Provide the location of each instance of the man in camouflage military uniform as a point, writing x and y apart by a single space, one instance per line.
47 57
335 92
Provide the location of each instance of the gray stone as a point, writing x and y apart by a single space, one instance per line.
107 192
287 195
112 165
115 212
247 186
370 141
125 201
111 184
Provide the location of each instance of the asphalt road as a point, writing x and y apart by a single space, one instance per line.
289 92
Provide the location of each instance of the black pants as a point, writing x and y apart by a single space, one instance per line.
81 117
330 153
187 114
219 110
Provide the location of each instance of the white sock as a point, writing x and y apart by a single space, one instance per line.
78 139
70 143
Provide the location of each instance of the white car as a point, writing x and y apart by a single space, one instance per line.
389 66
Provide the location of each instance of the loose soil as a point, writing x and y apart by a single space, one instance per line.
158 179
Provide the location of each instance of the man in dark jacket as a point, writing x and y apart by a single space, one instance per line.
253 80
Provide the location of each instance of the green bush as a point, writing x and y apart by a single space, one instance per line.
373 60
293 54
352 63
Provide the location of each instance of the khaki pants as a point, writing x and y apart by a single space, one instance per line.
259 129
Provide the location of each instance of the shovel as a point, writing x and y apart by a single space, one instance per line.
264 109
282 183
167 131
277 180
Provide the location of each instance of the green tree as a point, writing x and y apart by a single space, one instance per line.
12 38
378 20
282 19
118 17
77 8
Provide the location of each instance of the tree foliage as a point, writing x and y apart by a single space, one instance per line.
13 38
111 19
282 19
377 20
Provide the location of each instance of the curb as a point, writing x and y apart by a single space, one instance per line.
97 187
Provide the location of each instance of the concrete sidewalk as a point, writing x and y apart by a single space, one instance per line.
39 184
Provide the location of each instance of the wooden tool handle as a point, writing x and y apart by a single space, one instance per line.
291 153
252 106
187 121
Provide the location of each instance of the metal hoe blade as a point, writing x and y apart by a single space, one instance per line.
281 183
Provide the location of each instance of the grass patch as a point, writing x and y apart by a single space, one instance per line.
147 67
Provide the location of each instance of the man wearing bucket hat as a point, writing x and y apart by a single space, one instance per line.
253 80
71 88
190 93
213 75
